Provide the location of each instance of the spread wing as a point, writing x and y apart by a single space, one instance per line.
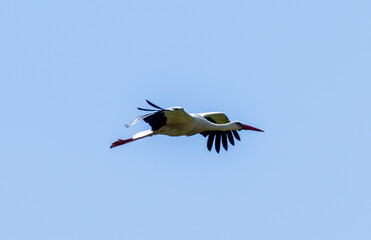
215 117
219 136
159 118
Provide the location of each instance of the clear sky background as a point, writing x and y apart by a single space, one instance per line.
73 72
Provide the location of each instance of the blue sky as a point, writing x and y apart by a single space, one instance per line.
73 73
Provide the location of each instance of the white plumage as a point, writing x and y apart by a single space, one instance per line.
175 121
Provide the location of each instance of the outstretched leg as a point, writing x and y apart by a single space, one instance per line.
134 138
121 142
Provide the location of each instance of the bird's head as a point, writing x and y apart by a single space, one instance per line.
240 125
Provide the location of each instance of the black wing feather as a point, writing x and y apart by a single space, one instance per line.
235 133
224 140
153 105
217 141
156 120
205 134
210 141
220 136
145 109
230 137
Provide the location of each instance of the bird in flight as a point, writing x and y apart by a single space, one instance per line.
175 121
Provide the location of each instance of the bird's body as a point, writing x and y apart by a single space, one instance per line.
175 121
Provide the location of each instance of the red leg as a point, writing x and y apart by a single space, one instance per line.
121 142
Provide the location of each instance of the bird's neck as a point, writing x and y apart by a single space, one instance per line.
220 127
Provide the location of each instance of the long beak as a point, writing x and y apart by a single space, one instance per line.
247 127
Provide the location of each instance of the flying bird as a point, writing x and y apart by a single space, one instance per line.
175 121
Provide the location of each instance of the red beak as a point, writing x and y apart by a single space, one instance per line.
247 127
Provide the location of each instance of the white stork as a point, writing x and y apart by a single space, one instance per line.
175 121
